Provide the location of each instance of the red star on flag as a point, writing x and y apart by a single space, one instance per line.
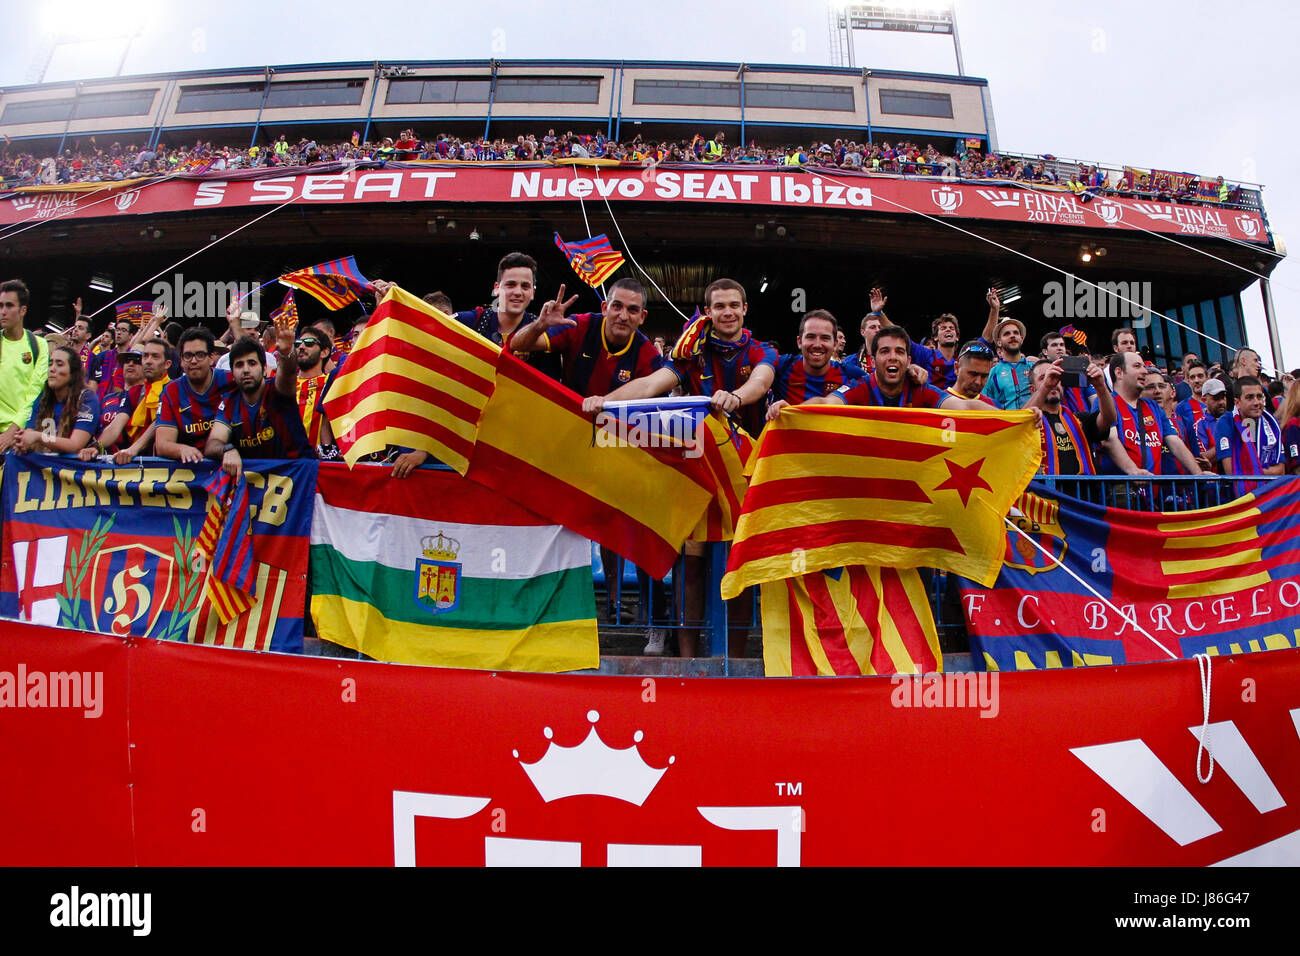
964 479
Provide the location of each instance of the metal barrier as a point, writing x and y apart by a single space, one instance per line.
1164 493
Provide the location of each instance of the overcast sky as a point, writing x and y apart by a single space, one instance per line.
1167 84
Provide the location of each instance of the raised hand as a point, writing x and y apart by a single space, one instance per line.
552 314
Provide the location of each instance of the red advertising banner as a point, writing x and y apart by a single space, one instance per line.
221 756
807 188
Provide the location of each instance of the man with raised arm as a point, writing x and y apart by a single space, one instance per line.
259 419
1009 381
1069 437
601 351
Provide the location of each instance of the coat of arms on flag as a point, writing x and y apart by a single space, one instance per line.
592 259
437 575
335 284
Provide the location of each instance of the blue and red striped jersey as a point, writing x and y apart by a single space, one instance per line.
192 413
269 428
795 384
943 371
867 392
590 368
724 367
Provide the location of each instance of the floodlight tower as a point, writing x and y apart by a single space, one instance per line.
937 18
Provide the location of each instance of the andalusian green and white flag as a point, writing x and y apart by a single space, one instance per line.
437 569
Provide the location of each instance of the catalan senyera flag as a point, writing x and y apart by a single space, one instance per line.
849 621
726 453
418 378
592 259
439 570
908 488
335 284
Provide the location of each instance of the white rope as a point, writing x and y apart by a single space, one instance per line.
1024 255
214 242
582 205
1203 665
1061 564
628 249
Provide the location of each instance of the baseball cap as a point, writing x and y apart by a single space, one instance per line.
1213 386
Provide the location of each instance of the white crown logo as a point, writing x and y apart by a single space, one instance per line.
1248 225
24 202
1109 212
124 201
945 198
593 768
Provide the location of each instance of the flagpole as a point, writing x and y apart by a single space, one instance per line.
1061 564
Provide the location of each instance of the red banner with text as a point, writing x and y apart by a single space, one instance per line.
810 188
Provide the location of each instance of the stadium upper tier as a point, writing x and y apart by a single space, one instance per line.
774 103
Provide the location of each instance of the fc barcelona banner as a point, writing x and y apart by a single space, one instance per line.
1083 584
161 550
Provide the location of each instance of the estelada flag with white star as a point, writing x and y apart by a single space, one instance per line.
895 487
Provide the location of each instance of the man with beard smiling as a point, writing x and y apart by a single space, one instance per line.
813 373
313 350
1009 382
259 419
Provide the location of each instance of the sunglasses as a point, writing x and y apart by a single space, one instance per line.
307 342
977 350
130 361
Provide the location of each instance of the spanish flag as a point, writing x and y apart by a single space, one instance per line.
849 621
419 378
906 488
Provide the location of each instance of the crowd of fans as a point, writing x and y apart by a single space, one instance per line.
93 163
159 388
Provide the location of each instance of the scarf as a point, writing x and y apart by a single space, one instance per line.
1052 457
